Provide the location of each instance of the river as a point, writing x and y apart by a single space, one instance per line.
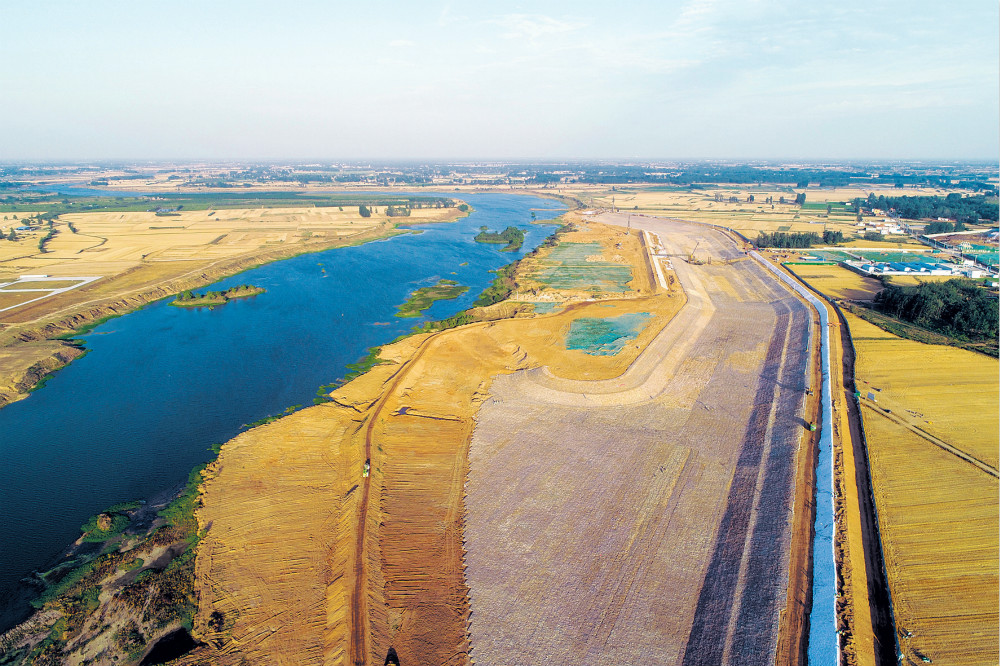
160 386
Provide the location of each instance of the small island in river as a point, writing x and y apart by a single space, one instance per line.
512 236
425 297
190 299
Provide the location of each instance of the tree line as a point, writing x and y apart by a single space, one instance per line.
943 228
958 308
784 239
962 209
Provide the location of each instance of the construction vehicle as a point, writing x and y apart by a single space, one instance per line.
367 469
691 259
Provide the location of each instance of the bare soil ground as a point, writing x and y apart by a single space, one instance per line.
645 518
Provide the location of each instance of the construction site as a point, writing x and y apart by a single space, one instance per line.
491 496
620 463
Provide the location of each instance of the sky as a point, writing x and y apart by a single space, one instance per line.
441 80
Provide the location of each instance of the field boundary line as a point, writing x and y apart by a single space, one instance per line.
955 451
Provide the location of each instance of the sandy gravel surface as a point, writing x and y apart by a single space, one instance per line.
645 519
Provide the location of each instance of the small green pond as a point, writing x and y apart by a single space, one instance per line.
605 337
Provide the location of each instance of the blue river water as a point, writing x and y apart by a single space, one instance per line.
160 386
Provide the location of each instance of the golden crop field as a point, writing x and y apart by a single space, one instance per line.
937 510
837 281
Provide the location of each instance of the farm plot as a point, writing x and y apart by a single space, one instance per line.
838 282
937 511
646 518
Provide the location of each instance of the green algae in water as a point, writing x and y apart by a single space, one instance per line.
605 337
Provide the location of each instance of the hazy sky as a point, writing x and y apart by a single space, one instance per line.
390 79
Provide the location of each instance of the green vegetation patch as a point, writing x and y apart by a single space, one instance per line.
957 308
109 523
363 365
425 297
512 236
605 337
189 299
567 267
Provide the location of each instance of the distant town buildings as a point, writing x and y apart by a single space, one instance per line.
917 268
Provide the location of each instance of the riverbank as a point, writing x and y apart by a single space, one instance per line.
382 271
28 347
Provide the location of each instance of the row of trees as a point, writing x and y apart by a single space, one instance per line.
797 239
963 209
958 308
943 227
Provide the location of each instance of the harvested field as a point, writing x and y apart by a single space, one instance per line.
950 393
9 299
645 518
938 518
838 282
931 434
747 217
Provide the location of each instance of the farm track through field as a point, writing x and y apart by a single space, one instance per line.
646 518
954 450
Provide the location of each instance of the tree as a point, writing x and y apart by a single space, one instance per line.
364 210
800 198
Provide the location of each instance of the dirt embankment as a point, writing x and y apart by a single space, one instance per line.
308 561
21 371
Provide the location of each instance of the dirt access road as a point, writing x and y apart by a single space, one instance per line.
647 518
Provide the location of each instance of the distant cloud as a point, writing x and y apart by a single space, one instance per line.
533 26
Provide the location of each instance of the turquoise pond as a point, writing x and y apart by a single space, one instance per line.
605 337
